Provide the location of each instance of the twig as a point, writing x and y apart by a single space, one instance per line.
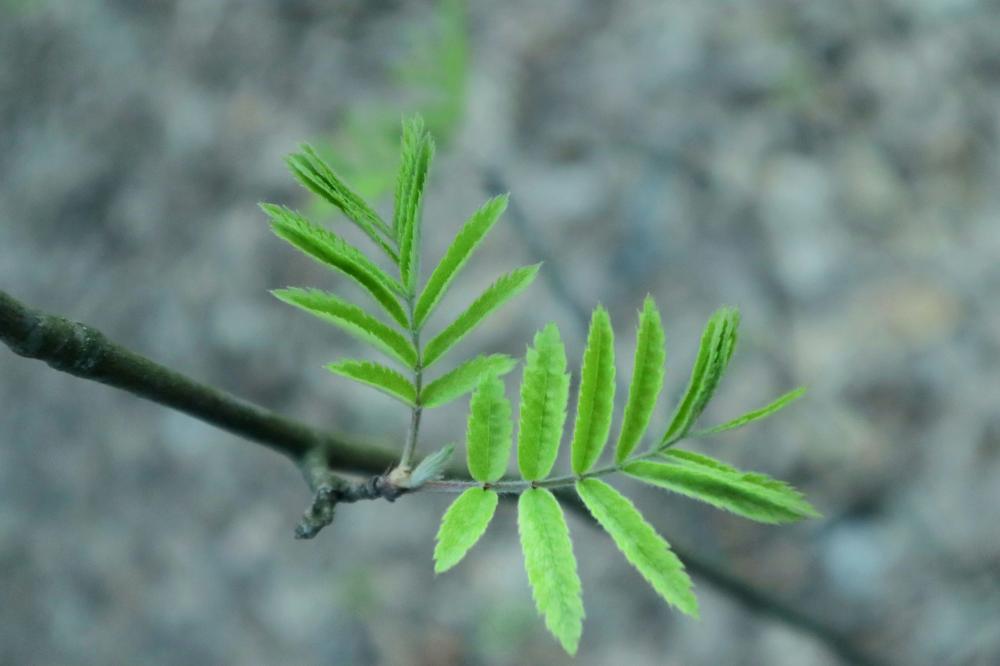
85 352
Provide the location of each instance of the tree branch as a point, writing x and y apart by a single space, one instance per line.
85 352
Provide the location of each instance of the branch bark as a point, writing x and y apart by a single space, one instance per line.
85 352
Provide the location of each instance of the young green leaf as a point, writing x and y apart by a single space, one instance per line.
717 344
463 524
498 293
352 319
431 467
457 255
489 431
377 376
417 152
551 566
647 380
317 176
331 250
464 378
643 547
752 496
544 393
596 400
756 414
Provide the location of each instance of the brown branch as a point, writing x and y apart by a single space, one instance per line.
85 352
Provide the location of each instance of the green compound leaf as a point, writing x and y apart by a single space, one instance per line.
463 524
495 295
751 495
647 380
377 376
331 250
458 254
464 378
643 547
717 344
489 431
596 400
755 415
317 176
544 393
352 319
415 160
551 566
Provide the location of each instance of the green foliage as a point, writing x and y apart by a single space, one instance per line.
747 494
496 294
377 376
432 77
490 430
352 319
647 380
642 546
551 566
717 344
596 400
544 393
464 378
755 415
417 152
317 176
461 249
462 525
331 250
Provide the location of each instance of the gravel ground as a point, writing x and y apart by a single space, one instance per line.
831 168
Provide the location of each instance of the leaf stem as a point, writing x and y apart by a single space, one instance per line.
515 487
412 434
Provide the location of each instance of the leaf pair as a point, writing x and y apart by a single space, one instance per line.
439 392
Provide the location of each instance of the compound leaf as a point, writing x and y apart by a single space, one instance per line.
642 546
489 431
333 251
462 525
378 376
415 159
352 319
551 566
498 293
717 344
458 254
754 496
464 378
596 400
757 414
647 380
317 176
544 393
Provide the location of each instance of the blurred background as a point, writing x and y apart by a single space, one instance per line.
830 168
